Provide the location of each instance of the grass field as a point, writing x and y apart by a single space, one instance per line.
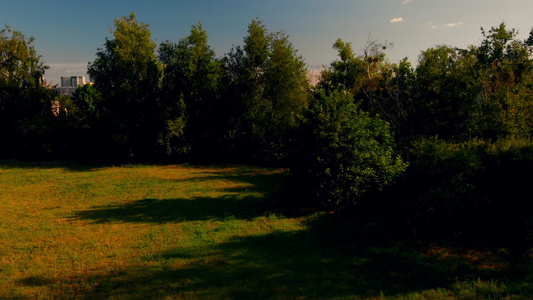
143 232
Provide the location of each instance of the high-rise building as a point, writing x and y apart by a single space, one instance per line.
77 81
65 81
72 81
70 84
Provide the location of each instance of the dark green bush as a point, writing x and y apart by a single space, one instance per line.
508 178
344 154
440 188
476 189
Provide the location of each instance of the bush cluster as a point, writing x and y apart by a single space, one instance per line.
474 190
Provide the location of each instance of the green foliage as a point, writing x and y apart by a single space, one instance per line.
267 91
474 189
286 83
479 92
190 94
441 186
344 154
127 75
506 81
25 104
383 89
21 66
78 125
87 100
447 93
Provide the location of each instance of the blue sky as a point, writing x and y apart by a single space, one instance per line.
68 33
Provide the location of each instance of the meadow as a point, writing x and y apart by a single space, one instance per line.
71 230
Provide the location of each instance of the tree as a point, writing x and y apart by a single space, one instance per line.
25 103
127 74
267 88
379 87
21 65
244 67
190 94
506 76
447 89
346 74
285 92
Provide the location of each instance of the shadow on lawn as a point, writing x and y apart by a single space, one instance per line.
258 193
65 165
178 210
332 258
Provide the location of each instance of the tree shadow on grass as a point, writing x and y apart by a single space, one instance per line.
178 210
332 258
256 193
65 165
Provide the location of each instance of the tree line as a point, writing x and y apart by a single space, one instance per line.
443 146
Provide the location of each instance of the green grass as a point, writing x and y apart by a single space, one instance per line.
81 231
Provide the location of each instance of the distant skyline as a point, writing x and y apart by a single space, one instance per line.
68 33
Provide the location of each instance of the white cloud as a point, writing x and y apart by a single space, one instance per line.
449 25
396 20
406 1
454 24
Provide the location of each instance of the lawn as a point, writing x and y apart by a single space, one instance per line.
175 231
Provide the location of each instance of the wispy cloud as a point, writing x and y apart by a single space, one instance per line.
75 65
406 1
433 26
68 68
454 24
396 20
449 25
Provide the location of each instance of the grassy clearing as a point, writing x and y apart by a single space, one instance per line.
76 231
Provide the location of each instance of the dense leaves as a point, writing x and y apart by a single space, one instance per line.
190 95
267 89
344 153
475 190
127 74
24 101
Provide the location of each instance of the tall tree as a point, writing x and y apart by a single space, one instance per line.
285 92
267 87
506 75
127 74
446 94
25 103
379 87
190 94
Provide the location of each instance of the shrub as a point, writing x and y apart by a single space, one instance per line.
343 153
475 189
440 186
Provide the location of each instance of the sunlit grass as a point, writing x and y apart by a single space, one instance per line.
122 232
68 232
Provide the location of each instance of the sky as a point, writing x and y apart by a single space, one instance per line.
68 33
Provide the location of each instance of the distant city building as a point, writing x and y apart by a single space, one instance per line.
69 85
72 81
